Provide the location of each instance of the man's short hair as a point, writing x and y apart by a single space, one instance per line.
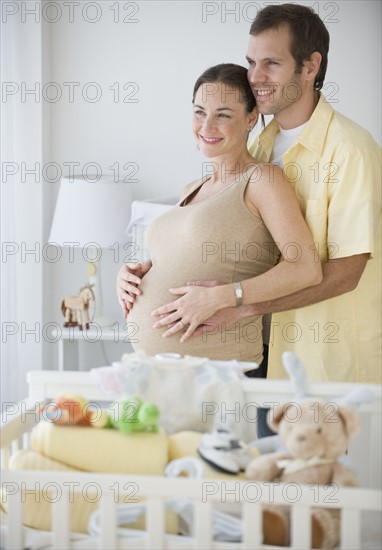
307 30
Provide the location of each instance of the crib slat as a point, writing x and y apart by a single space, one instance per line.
203 524
15 521
155 523
15 446
252 525
108 537
300 527
350 529
61 522
375 451
5 456
26 440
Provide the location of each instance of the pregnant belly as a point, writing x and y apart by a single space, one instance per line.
242 342
155 293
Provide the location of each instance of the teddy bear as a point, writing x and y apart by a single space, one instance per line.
314 434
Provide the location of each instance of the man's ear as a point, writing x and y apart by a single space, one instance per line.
312 65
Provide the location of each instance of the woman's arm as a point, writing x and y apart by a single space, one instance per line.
272 198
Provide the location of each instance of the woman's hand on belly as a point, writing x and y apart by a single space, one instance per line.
196 304
128 278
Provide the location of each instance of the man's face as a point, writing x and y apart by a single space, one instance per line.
272 73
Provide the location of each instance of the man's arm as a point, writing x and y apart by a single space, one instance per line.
339 277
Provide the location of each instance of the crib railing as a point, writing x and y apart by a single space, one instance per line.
203 494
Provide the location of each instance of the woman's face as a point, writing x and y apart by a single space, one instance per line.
221 122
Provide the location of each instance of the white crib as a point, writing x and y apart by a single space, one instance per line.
360 508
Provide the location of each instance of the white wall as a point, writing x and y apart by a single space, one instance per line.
161 54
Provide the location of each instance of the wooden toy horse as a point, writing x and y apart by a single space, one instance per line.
73 306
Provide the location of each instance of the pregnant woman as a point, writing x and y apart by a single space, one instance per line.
241 225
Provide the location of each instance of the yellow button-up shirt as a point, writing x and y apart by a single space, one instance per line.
335 169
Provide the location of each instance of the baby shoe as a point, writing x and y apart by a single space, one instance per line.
224 451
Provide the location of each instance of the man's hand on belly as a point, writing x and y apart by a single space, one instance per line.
223 319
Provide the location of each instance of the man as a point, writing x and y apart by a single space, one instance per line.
335 168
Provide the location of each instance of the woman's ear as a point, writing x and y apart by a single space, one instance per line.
252 119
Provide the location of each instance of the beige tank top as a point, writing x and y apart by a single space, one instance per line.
218 238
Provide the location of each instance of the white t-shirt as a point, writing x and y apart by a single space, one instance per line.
284 140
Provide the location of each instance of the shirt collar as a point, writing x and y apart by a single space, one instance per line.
312 136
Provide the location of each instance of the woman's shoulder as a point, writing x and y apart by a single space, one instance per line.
264 174
267 172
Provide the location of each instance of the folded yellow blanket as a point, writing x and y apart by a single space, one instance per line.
103 450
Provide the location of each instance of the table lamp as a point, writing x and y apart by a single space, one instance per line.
92 214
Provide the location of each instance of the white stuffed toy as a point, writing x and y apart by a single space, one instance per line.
312 436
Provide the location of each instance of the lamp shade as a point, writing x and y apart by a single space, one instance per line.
94 212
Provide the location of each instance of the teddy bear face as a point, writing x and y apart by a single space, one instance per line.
314 429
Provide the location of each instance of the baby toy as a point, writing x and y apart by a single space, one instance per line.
128 415
224 451
313 435
298 382
131 415
73 409
73 306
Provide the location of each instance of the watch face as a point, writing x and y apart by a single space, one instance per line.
238 293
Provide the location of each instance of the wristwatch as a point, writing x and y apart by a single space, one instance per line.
238 293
